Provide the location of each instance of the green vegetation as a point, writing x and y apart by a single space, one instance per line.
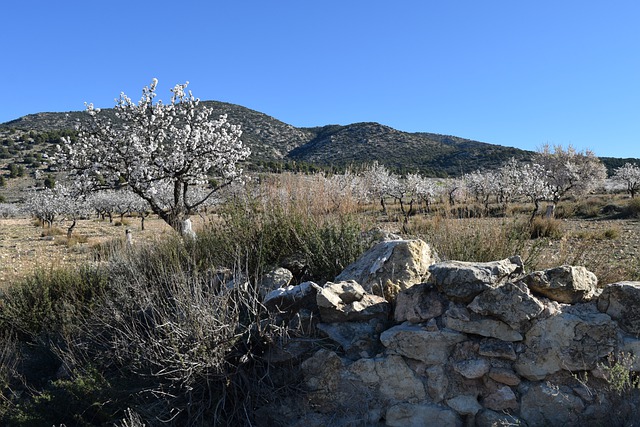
160 329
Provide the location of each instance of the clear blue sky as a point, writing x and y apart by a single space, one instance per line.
507 72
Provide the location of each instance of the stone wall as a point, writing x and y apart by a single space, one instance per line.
405 340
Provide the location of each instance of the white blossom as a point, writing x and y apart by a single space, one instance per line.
152 146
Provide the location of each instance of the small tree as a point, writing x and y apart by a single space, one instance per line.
629 174
569 171
151 146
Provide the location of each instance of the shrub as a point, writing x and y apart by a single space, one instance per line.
478 240
545 228
632 209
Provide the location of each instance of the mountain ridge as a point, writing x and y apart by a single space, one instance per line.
335 146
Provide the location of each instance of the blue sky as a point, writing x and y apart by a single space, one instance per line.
507 72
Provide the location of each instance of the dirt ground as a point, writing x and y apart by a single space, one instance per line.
26 247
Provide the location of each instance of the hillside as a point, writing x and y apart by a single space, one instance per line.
274 142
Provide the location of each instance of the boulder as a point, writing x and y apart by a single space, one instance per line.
388 379
566 284
472 368
545 404
460 319
292 298
323 374
349 302
490 347
391 266
574 340
278 278
465 405
357 339
504 376
419 415
413 341
621 301
463 281
512 303
437 383
418 304
502 399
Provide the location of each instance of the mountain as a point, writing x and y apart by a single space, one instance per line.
336 146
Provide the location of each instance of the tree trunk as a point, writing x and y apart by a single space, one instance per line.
70 229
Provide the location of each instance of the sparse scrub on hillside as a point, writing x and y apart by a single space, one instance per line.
175 330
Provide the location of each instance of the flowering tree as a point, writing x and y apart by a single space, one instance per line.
533 185
629 174
380 182
569 171
65 201
151 146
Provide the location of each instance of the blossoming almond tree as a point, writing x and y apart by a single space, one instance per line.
150 146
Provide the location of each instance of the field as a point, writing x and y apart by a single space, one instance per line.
608 247
26 247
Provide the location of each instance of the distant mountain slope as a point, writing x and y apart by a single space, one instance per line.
432 154
272 140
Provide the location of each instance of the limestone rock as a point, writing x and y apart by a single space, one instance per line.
490 347
389 378
322 379
292 298
472 368
437 383
465 405
391 266
357 339
504 376
566 284
512 303
418 304
348 302
621 301
463 321
547 404
501 400
431 347
419 415
575 339
463 281
278 278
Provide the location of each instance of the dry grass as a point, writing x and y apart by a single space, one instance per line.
25 248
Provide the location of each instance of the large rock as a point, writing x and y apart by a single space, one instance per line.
463 281
323 373
465 405
621 301
418 304
502 399
512 303
472 368
278 278
349 302
391 266
357 339
460 319
413 341
420 415
574 340
545 404
388 379
566 284
292 298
